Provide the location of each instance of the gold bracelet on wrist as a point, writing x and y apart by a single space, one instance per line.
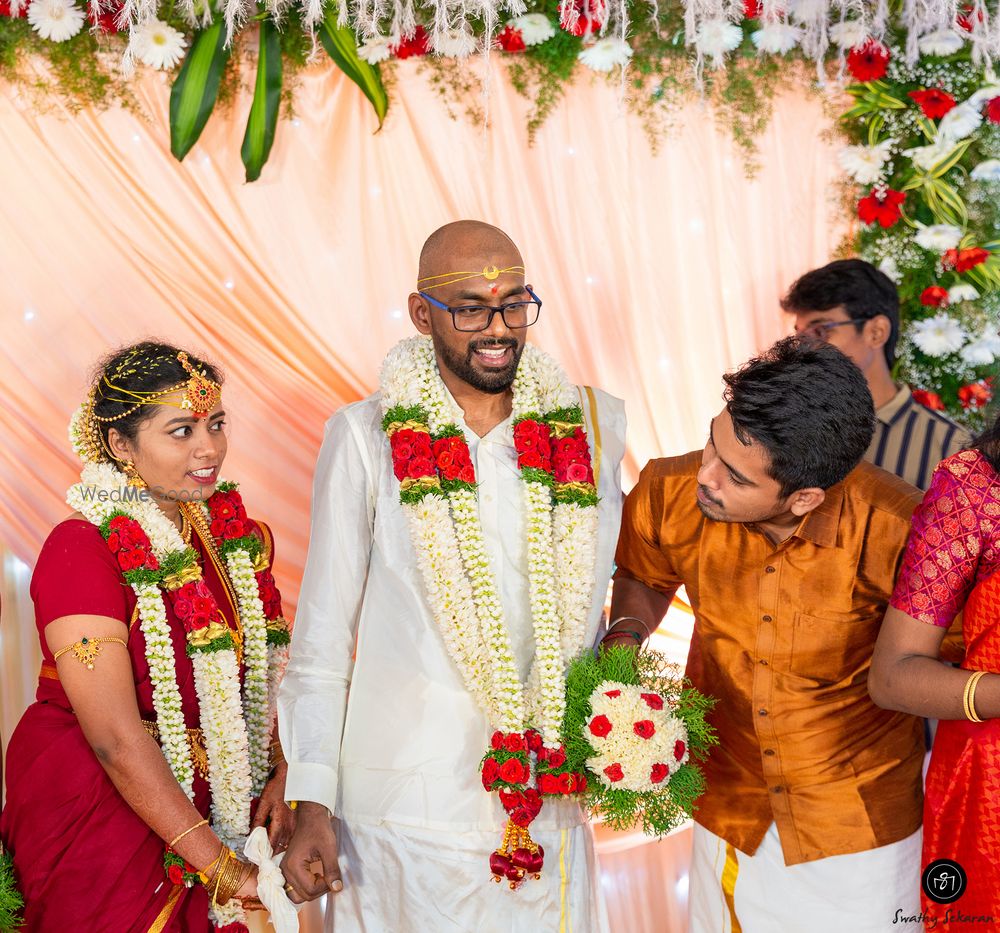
969 696
190 829
632 619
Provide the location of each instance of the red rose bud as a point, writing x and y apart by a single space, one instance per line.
612 693
534 740
491 771
118 521
881 208
468 475
176 874
513 771
658 774
496 741
557 758
547 784
929 400
868 63
113 541
679 748
532 800
652 700
417 44
934 296
600 726
933 102
578 473
422 466
644 728
993 110
567 783
614 772
521 816
514 742
225 509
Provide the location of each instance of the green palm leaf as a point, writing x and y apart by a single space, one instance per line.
263 120
194 92
342 47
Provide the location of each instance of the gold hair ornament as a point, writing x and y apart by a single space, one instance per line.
490 273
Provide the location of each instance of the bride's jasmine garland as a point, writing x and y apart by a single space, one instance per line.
437 480
158 565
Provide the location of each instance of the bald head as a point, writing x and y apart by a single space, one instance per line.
467 245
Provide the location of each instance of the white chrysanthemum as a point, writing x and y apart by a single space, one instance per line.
606 54
535 28
865 163
926 157
960 122
159 45
938 335
938 237
777 38
978 353
375 50
850 34
807 11
986 171
55 20
455 43
715 37
940 42
888 267
962 292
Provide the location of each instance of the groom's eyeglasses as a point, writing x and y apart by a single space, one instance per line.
471 318
819 331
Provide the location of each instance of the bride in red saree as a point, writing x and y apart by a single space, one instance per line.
950 567
132 778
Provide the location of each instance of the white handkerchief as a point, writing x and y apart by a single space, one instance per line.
271 882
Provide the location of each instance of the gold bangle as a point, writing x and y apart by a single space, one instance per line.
87 649
186 831
207 875
970 696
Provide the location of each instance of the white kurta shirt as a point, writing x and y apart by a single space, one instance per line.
375 721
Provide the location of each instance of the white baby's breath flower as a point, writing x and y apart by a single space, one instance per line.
938 237
938 335
865 163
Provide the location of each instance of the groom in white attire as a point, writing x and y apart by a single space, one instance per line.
397 681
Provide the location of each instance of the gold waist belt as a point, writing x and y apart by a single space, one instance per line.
196 743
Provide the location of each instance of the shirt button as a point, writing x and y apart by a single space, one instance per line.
765 618
762 712
777 790
763 661
769 569
768 751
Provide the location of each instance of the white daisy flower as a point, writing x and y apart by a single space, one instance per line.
864 163
938 237
715 37
455 43
777 38
962 292
850 34
986 171
375 50
978 353
938 335
535 28
55 20
940 42
960 122
926 157
159 45
606 54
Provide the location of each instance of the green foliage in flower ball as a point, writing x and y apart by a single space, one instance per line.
658 812
11 902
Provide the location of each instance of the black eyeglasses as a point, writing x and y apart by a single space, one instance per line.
819 331
471 318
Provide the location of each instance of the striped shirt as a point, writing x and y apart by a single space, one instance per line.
910 439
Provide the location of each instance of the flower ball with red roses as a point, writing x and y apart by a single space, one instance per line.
638 742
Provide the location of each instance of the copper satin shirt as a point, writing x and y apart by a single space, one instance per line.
783 639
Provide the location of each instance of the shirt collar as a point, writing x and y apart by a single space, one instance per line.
820 525
890 409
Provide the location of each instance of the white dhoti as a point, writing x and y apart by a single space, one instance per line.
398 879
864 892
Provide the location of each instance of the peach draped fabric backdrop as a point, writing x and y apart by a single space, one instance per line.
658 273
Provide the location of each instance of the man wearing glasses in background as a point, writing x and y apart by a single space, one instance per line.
854 307
389 701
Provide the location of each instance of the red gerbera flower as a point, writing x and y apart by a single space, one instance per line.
975 395
417 44
993 110
934 296
929 400
5 8
962 260
510 39
869 62
933 102
883 208
752 9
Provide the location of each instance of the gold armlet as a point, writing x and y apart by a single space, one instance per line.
87 649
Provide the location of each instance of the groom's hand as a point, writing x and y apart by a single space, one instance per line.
310 864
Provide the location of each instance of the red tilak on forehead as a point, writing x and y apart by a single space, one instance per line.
494 289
